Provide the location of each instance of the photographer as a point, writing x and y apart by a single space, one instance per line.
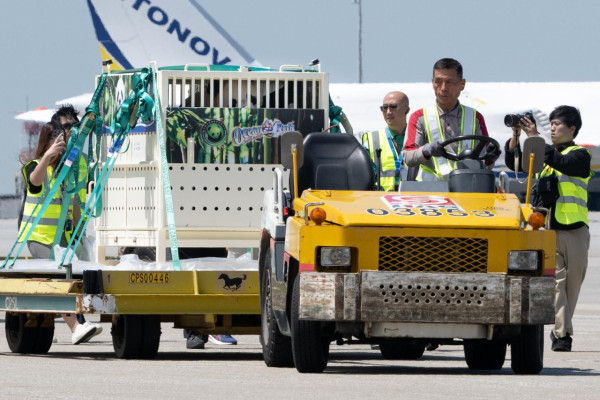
38 174
562 187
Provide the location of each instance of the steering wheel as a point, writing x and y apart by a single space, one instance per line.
476 153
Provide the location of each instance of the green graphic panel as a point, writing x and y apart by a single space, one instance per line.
235 135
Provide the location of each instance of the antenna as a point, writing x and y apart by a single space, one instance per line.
359 39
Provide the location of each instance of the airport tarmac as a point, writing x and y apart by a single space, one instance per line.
91 371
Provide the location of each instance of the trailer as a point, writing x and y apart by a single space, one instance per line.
189 187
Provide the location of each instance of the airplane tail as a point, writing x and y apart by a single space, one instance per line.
132 33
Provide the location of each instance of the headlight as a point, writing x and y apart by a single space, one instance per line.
335 256
523 260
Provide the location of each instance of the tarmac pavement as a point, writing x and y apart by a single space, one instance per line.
91 371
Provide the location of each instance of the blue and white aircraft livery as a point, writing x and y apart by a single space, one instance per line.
183 32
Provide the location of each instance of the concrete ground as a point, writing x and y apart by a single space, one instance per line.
91 371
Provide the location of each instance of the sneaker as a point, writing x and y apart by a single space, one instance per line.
84 332
561 344
194 342
222 339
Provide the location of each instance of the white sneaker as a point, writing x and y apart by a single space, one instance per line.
84 332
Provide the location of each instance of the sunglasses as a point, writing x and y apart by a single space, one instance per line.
68 125
392 107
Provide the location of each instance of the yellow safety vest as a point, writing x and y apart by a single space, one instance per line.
571 205
435 133
45 230
391 160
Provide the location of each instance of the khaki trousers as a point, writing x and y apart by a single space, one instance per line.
571 263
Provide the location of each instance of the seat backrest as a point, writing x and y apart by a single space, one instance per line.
472 181
335 161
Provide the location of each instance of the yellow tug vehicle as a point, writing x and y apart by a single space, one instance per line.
457 262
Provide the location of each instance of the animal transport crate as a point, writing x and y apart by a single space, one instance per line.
222 130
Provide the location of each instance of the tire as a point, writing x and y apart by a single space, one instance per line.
150 336
276 347
401 349
21 339
45 334
485 354
24 339
136 336
309 348
527 350
126 334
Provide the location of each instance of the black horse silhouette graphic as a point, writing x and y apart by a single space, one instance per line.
231 283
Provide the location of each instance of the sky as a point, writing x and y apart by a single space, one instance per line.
50 50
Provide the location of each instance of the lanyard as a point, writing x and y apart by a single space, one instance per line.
395 152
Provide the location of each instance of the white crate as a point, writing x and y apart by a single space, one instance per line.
215 205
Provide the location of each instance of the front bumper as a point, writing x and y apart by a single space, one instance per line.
416 297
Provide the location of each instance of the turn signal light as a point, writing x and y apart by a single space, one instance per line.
536 220
318 215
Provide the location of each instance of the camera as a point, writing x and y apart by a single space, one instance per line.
514 120
56 133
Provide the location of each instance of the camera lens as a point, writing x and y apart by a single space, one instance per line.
511 121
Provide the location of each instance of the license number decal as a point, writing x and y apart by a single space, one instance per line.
149 278
418 201
424 206
426 212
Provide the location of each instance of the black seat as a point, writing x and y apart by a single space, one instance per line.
470 176
335 161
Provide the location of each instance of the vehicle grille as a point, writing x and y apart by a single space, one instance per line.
433 254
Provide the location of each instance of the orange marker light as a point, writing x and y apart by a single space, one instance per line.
536 220
318 215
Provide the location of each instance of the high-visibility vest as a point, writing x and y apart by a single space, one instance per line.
391 159
45 230
435 132
571 205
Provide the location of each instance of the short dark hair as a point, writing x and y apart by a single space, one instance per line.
449 63
567 115
66 111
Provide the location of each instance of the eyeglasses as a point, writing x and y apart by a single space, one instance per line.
68 125
392 107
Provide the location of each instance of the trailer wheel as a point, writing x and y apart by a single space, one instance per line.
27 339
402 349
136 336
45 334
485 354
150 336
277 348
126 334
527 350
309 348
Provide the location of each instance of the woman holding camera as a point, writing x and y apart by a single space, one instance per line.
38 173
565 175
